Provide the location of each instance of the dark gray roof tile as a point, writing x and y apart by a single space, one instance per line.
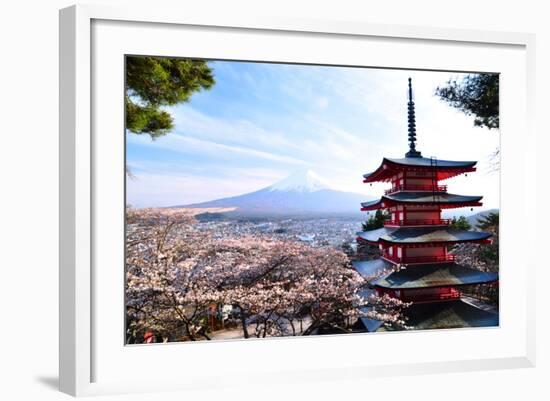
434 275
449 315
424 197
427 162
412 235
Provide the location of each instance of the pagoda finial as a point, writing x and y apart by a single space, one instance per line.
412 126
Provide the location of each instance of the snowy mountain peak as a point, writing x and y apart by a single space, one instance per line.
303 193
301 181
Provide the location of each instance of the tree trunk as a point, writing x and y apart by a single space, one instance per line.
292 327
311 327
191 336
243 322
202 332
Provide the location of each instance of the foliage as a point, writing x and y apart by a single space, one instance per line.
178 276
475 94
376 221
460 224
347 249
367 251
155 82
489 253
489 222
483 257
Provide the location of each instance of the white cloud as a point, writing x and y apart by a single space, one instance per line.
322 102
185 144
191 122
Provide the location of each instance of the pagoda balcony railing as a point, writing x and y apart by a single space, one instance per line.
418 222
419 259
455 294
410 187
407 296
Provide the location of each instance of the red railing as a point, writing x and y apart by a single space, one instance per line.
410 187
429 259
419 259
453 294
426 295
418 222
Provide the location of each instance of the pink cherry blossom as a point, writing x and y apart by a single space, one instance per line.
178 278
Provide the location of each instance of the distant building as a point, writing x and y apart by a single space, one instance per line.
418 239
307 238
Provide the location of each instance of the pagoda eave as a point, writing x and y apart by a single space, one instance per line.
422 236
366 241
442 206
444 169
422 244
449 314
385 203
434 276
372 268
489 282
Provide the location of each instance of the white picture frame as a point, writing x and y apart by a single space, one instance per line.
81 213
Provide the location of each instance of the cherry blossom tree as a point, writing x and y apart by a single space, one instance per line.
161 294
177 275
483 257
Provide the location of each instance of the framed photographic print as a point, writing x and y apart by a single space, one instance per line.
337 197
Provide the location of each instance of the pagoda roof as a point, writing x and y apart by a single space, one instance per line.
452 314
371 268
445 168
443 199
434 275
449 315
427 162
370 324
416 235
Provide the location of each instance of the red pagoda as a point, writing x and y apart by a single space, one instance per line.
416 239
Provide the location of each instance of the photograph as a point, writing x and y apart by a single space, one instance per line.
269 199
276 199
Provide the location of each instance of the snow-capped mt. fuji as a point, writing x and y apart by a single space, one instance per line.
302 193
301 181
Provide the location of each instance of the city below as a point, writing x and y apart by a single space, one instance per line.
329 231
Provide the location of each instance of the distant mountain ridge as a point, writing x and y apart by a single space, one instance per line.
302 193
473 219
471 215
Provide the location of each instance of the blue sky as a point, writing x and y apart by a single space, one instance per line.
261 122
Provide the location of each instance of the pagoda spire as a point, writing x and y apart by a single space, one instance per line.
412 126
